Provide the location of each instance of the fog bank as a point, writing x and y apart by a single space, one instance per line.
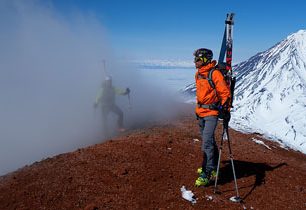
51 68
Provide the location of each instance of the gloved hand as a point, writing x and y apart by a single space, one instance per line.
224 113
197 116
226 116
128 91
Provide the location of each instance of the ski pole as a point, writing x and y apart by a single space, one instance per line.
104 68
223 138
129 98
218 167
238 199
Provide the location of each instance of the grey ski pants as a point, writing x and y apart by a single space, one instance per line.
209 147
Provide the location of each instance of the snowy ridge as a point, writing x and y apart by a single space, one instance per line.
271 92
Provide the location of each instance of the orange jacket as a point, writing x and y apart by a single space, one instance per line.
206 94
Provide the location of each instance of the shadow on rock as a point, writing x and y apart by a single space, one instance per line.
246 169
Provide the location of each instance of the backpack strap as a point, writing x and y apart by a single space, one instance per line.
211 82
209 78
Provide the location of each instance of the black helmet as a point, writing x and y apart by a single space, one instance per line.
203 54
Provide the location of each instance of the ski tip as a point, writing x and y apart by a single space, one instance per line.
230 18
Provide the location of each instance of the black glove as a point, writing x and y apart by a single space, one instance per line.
197 116
127 90
224 113
226 116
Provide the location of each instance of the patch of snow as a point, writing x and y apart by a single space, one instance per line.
260 142
188 195
234 199
196 140
209 197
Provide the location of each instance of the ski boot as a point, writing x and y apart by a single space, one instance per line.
201 181
211 176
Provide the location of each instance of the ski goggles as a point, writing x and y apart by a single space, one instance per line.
196 59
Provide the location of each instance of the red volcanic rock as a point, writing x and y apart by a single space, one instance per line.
146 168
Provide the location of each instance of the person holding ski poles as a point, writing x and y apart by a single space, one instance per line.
213 98
106 98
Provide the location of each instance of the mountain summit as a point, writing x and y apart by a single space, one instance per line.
146 169
271 92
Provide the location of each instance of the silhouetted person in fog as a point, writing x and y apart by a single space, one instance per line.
106 98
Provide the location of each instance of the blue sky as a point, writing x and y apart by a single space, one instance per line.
168 29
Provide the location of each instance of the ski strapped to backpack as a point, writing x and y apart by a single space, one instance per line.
227 48
224 67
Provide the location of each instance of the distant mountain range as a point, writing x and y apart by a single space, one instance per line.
164 64
270 95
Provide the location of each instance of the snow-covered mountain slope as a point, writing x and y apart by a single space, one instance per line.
270 94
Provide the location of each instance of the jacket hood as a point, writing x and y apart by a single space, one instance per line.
207 67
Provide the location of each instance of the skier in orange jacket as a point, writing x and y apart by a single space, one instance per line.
212 97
